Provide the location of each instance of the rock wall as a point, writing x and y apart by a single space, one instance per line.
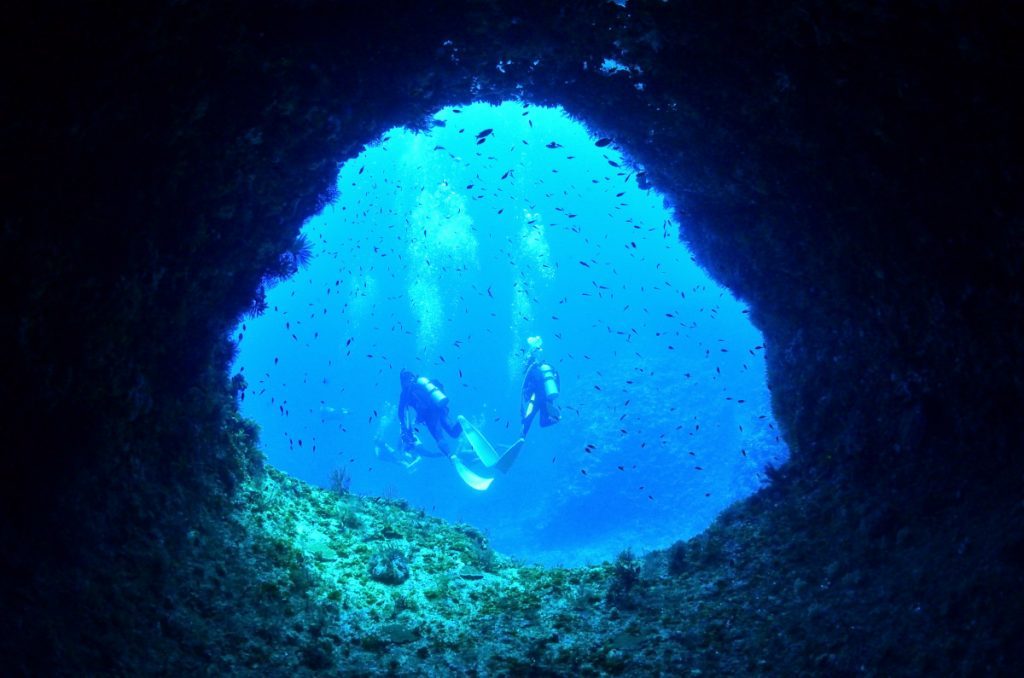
852 171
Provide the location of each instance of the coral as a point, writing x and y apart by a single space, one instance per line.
389 564
297 256
340 481
677 558
622 589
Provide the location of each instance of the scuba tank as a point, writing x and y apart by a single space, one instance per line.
550 380
437 396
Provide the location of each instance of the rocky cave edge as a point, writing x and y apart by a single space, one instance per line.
851 170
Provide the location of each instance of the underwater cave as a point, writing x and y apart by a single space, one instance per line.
444 252
852 173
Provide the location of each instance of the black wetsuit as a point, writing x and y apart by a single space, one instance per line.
417 396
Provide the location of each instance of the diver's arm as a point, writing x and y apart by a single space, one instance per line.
403 419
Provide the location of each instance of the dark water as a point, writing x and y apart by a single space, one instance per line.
442 255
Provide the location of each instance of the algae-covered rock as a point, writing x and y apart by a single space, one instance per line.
397 634
316 544
389 565
471 573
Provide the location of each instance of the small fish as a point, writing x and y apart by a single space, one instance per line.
485 133
553 144
601 143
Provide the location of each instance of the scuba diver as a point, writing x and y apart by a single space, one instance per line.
540 389
423 401
385 451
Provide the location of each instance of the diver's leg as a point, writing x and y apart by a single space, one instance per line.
445 446
435 431
529 412
453 428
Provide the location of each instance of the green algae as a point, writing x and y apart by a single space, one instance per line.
711 605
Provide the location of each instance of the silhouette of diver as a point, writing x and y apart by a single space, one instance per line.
540 389
424 401
385 451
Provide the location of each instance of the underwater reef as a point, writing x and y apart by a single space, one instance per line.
851 170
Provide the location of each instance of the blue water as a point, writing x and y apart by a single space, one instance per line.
442 255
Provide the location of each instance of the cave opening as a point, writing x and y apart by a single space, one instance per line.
852 172
445 250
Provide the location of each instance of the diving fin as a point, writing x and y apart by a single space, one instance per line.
483 449
473 480
507 459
